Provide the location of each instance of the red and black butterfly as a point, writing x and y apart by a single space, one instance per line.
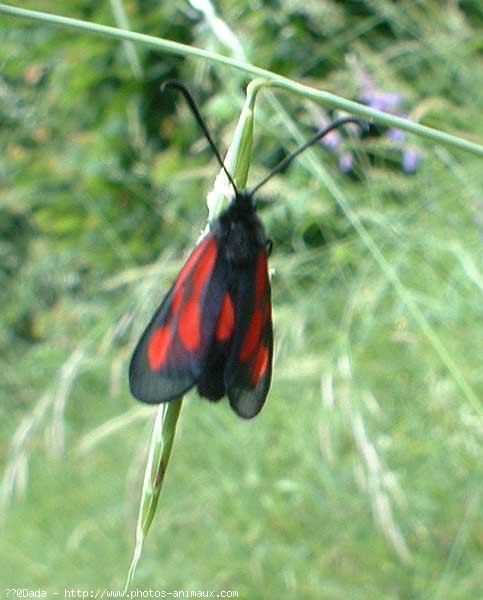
214 327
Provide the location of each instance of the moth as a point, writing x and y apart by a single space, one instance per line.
213 330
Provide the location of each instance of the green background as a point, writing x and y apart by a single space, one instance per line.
362 477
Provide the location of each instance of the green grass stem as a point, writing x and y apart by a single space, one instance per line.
325 98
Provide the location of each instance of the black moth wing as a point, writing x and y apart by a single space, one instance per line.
173 350
248 370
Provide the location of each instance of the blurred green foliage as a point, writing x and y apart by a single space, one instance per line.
362 477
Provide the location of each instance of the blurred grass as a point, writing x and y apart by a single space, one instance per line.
362 477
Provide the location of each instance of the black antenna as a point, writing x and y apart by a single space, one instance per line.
173 84
320 134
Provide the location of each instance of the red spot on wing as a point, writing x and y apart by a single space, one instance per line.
158 347
186 291
252 336
186 271
261 310
260 365
189 323
226 320
192 260
177 299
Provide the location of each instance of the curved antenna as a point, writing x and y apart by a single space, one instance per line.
320 134
176 85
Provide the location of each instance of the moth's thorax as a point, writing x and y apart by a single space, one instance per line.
241 230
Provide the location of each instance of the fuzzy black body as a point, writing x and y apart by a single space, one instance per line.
240 231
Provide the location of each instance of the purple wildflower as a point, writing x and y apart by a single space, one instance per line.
410 160
332 139
385 101
389 102
346 161
396 135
